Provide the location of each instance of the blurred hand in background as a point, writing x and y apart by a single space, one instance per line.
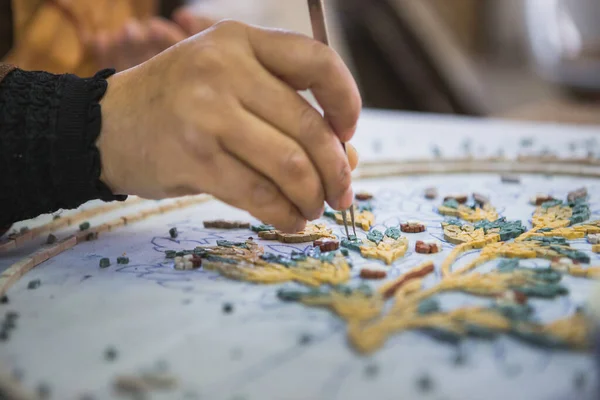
69 36
139 41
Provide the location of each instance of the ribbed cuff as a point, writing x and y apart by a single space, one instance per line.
79 122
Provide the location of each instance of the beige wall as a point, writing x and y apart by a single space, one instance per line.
284 14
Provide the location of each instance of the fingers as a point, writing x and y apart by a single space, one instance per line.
134 44
99 47
279 158
191 24
259 196
286 110
164 34
306 64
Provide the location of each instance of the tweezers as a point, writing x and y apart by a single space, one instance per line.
319 28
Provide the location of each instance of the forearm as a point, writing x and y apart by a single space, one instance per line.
49 125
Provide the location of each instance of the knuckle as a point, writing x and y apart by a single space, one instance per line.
296 165
211 58
311 122
326 59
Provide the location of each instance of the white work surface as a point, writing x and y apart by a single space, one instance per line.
151 313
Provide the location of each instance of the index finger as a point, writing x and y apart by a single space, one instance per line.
304 63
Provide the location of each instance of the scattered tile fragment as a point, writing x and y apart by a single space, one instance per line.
460 198
104 262
526 142
12 315
262 228
130 385
425 383
580 193
170 254
159 380
34 284
9 324
506 178
227 308
480 199
371 370
431 193
428 247
593 238
224 224
173 233
91 236
187 262
84 226
110 354
4 299
51 239
327 244
122 260
540 199
363 196
372 274
393 233
305 339
412 227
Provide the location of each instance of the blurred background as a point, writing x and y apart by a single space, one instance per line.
519 59
533 60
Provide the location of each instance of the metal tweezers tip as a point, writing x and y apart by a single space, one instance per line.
345 219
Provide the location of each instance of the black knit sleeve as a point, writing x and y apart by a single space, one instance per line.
48 155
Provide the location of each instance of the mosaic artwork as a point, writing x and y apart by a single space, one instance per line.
456 286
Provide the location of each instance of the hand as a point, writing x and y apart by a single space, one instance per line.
220 113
